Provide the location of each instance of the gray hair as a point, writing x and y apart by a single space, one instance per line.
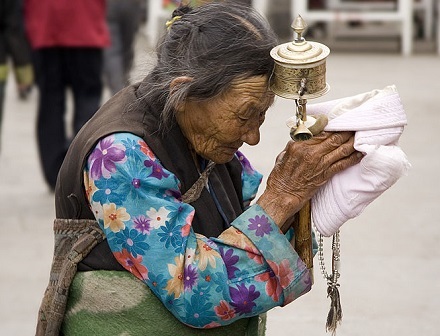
213 45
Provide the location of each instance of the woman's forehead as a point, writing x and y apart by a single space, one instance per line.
254 89
257 86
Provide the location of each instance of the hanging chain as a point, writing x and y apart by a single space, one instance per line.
300 102
335 314
336 258
299 112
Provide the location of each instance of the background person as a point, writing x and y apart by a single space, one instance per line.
68 38
123 18
14 48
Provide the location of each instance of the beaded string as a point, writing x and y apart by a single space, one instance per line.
335 313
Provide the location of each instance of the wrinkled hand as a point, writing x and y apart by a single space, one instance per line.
302 168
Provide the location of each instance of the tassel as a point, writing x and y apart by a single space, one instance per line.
334 316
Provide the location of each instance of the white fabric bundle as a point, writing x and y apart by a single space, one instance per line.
378 118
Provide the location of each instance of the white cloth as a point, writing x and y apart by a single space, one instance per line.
378 118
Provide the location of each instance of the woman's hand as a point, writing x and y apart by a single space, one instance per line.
302 168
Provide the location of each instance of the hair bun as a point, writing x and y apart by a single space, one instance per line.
181 10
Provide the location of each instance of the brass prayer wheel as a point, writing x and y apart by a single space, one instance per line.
297 60
299 74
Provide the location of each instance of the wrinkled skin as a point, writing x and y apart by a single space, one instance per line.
216 129
302 168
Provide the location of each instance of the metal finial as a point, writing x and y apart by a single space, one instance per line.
299 27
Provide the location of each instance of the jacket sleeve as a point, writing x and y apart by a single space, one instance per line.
205 282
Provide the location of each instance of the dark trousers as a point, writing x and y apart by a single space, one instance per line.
123 18
57 70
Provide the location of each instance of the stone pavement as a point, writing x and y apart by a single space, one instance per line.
390 259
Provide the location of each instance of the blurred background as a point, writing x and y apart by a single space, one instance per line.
390 256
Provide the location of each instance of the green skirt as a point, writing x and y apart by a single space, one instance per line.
117 303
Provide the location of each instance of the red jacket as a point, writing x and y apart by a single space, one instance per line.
66 23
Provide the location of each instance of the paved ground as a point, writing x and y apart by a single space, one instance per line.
390 258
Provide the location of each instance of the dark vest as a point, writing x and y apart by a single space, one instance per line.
126 112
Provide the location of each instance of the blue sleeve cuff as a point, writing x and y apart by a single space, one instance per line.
293 275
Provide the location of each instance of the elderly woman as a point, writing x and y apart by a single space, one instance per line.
155 230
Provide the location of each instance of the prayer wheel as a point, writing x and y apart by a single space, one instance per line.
300 74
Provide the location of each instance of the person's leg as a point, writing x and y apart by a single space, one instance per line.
51 134
130 21
113 55
85 75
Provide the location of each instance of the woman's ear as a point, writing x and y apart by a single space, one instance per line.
174 86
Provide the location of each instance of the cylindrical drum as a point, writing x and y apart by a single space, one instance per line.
295 61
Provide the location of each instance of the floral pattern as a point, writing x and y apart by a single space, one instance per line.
114 217
104 157
260 225
132 240
205 282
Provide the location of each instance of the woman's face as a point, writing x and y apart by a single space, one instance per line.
218 128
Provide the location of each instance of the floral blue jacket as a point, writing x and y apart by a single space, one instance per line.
205 282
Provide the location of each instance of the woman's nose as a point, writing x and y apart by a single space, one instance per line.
252 136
